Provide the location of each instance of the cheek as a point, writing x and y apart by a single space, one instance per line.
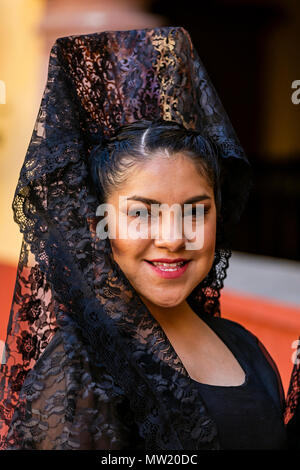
119 247
207 253
205 256
210 235
126 251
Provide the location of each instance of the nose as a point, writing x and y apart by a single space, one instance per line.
170 236
172 245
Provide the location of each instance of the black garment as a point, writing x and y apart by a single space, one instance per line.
104 418
247 416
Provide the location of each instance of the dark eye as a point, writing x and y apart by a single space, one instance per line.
142 213
194 213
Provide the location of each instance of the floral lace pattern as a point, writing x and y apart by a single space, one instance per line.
65 409
82 349
292 412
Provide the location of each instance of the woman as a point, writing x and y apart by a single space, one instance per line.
105 349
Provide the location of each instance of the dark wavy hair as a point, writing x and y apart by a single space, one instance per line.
134 143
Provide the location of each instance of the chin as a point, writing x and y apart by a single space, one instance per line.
165 302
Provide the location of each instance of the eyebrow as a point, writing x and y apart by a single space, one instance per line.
198 198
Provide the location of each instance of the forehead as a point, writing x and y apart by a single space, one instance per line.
175 177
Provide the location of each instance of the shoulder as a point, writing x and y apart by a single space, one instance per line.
256 352
246 338
235 329
67 361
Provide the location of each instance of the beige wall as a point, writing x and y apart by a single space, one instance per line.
281 118
20 52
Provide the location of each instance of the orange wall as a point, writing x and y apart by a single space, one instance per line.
277 326
7 284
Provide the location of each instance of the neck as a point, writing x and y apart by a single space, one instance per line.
171 317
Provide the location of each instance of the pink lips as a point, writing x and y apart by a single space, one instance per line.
167 260
169 274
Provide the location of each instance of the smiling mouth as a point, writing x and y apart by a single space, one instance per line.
168 266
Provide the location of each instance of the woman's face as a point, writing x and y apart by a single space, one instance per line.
172 180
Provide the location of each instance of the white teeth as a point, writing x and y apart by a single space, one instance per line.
173 266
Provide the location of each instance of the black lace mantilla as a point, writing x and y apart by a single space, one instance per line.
82 350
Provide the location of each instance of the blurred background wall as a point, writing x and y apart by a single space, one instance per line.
251 51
